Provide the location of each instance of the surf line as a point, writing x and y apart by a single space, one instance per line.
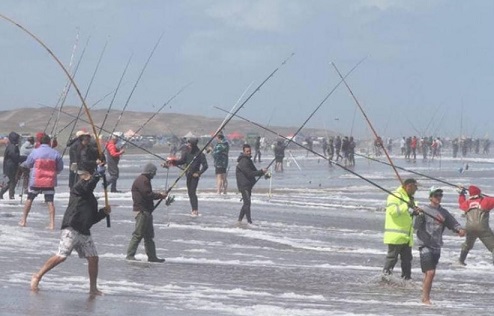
222 126
88 114
332 161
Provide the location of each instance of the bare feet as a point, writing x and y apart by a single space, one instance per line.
35 282
426 302
95 292
22 223
51 227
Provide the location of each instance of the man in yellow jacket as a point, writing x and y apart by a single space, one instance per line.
398 228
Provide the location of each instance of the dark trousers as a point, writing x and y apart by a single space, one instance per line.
405 253
72 178
245 210
257 155
10 185
112 182
191 190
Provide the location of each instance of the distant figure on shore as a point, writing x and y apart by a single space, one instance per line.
279 155
220 156
257 149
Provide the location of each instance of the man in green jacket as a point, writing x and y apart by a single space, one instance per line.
398 228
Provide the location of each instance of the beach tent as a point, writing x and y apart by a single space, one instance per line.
235 135
189 135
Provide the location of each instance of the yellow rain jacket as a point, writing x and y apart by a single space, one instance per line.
398 225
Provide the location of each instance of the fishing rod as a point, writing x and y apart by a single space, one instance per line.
315 110
135 85
368 121
222 125
66 86
410 171
73 120
160 109
115 94
57 60
73 75
415 208
122 138
87 91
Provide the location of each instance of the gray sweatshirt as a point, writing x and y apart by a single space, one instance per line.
430 230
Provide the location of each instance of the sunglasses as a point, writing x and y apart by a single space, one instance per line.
438 195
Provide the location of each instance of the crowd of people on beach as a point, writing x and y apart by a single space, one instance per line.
37 164
430 148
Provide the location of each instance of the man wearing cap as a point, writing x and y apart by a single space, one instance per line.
113 154
398 232
143 207
45 164
477 208
81 214
196 164
430 225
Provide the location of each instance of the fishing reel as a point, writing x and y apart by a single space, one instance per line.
169 200
267 175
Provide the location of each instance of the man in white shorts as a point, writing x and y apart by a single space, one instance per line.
82 213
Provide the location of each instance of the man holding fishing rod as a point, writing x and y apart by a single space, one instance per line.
430 231
398 228
476 208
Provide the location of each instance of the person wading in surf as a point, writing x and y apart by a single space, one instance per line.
430 231
476 208
398 232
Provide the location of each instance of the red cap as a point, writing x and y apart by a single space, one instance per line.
473 190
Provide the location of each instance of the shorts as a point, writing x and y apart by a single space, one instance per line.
48 192
429 258
71 239
220 170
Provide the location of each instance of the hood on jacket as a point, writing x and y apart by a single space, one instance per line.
242 156
14 138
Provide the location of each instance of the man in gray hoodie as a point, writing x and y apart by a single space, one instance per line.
430 225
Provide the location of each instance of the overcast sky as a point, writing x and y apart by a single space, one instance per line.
429 67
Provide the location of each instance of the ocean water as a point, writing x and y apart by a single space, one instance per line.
315 248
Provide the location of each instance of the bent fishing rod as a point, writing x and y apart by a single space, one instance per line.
223 124
415 208
57 60
315 110
368 122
